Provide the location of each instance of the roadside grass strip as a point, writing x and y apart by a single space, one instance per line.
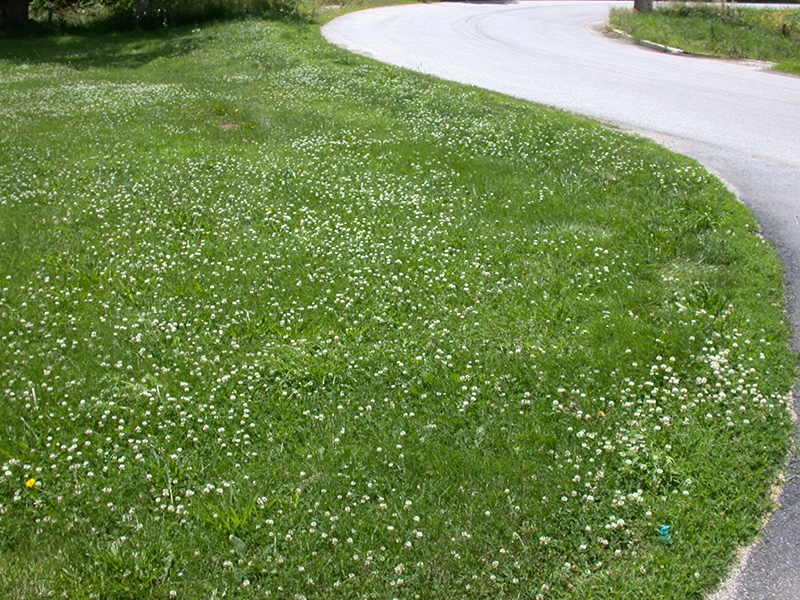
278 321
726 30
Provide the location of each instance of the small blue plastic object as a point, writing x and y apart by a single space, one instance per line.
663 532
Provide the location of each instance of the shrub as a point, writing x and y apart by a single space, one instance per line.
155 13
175 12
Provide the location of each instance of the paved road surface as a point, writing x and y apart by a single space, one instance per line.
741 122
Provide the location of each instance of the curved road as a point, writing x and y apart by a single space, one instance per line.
741 122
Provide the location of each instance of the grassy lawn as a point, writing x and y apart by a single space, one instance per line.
278 321
725 31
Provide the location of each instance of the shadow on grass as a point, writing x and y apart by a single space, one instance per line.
89 49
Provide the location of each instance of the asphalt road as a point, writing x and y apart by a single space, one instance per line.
741 122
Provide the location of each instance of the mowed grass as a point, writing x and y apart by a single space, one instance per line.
727 31
278 321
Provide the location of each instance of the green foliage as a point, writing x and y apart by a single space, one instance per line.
155 13
123 570
227 515
725 30
52 9
174 12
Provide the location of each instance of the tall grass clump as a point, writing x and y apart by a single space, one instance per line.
278 321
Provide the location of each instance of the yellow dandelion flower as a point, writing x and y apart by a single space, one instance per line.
30 483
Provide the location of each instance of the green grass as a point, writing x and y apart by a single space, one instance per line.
276 320
720 30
